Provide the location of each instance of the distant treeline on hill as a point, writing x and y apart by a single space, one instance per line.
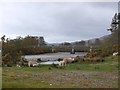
37 45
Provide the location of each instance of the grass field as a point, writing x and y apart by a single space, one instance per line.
0 77
75 75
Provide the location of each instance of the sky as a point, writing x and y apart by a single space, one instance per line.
57 21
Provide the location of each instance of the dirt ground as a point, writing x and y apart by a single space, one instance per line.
80 79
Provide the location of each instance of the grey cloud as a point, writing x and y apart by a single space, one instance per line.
106 5
58 22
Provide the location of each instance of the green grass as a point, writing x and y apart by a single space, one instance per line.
110 64
35 77
28 84
93 67
0 77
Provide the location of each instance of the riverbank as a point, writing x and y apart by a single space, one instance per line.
74 75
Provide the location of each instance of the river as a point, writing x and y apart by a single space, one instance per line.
54 56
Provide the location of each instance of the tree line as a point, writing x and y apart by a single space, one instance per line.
13 49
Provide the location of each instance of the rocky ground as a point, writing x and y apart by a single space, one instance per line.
65 79
79 79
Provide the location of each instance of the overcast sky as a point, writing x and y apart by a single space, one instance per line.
57 22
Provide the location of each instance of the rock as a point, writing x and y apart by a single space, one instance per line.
50 84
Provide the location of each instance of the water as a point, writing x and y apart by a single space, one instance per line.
49 62
54 56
